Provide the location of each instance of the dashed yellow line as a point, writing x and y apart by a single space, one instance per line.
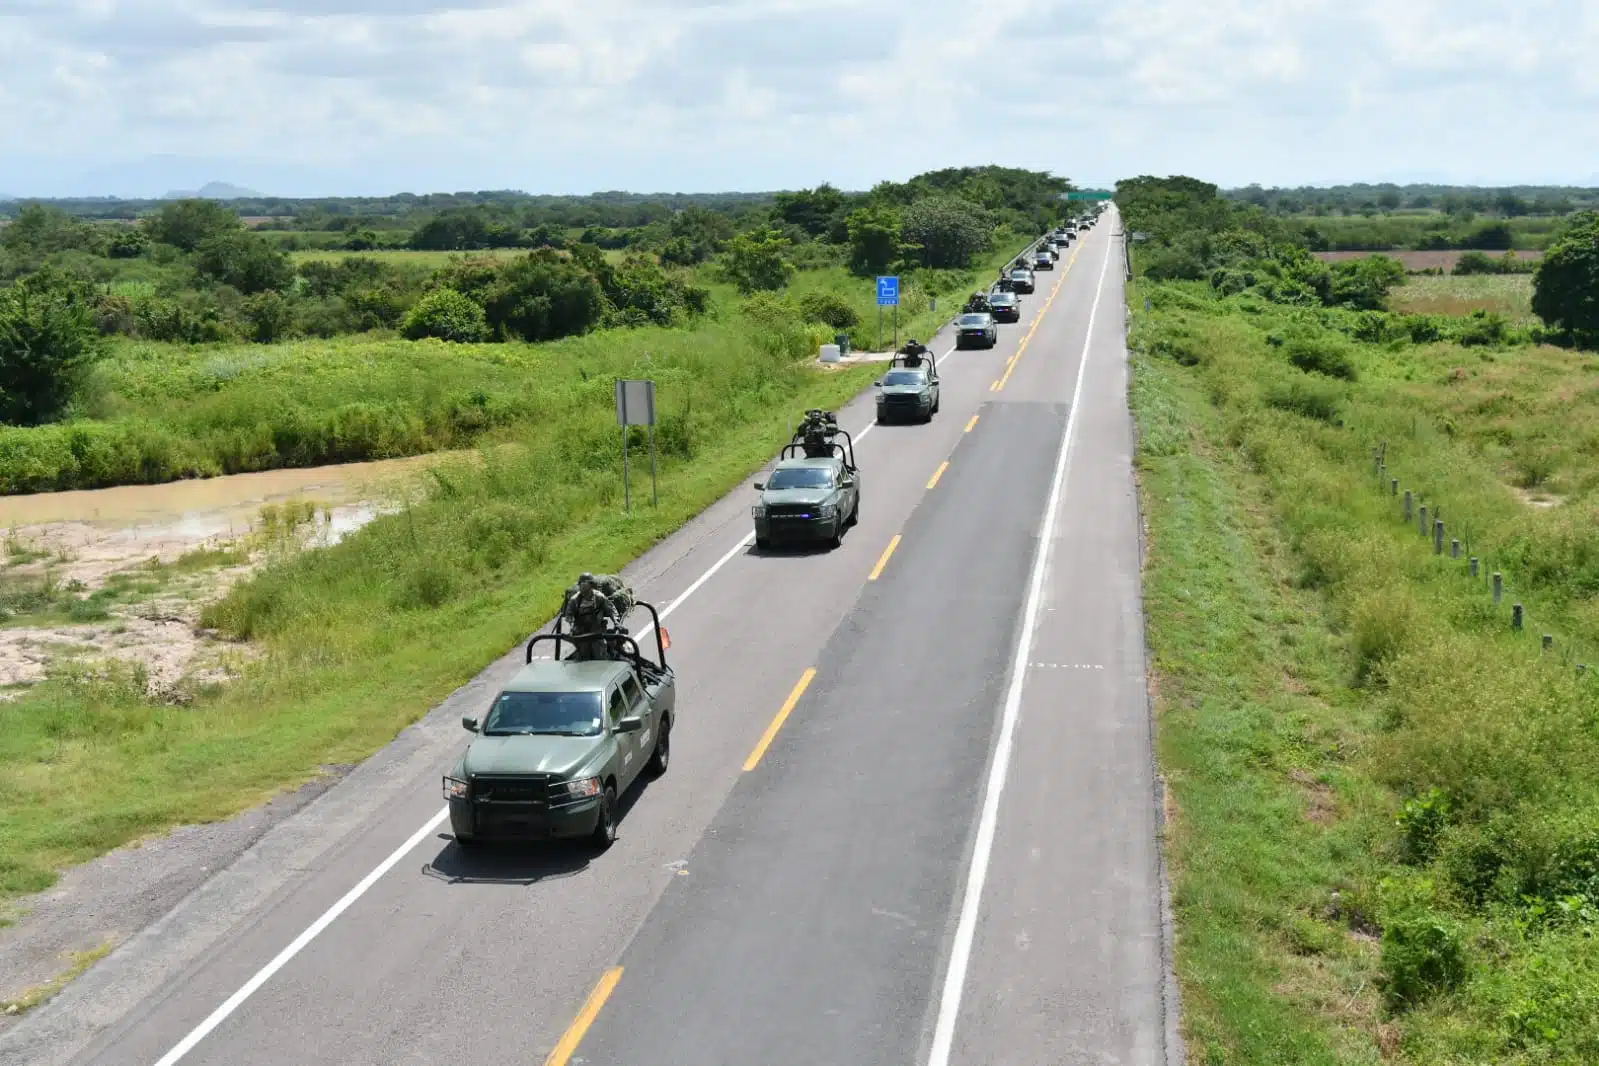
938 473
877 571
970 424
1022 347
777 723
585 1018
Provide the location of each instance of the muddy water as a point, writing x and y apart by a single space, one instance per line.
212 504
83 541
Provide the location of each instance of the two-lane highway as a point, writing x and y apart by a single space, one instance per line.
831 870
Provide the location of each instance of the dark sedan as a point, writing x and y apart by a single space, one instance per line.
1005 307
976 330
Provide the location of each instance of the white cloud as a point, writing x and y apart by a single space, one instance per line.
326 96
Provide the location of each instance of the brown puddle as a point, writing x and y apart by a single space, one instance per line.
142 548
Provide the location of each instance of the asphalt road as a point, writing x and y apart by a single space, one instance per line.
944 852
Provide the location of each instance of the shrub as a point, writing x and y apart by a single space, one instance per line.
1422 955
49 338
1304 398
446 315
829 309
1483 328
1324 353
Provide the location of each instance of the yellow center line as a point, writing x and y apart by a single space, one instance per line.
882 561
585 1018
970 424
771 730
938 473
1022 347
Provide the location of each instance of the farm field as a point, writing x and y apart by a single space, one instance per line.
1422 260
1506 294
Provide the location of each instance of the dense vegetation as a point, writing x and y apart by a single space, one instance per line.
1385 834
125 348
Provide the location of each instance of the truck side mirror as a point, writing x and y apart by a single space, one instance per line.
760 486
469 724
629 725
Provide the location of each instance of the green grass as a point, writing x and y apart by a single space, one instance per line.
156 412
1340 710
1507 294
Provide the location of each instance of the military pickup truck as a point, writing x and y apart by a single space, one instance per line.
562 742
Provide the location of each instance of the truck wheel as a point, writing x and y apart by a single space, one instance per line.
837 539
605 829
763 544
855 513
661 757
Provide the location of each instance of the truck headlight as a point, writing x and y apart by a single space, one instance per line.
826 510
454 788
758 511
582 788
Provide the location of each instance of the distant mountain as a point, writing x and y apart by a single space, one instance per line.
216 190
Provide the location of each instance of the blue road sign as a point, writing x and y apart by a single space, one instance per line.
887 292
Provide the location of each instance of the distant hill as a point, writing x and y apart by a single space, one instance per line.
216 190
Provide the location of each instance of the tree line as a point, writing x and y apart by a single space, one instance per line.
1193 232
193 272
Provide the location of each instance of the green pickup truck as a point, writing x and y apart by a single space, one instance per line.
561 743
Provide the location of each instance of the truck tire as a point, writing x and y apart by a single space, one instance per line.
661 757
605 828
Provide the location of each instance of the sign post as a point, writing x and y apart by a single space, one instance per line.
635 406
887 296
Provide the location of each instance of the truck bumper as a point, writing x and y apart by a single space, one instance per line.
514 821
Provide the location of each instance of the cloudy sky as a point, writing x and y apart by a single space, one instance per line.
317 97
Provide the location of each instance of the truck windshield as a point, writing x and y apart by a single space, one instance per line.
903 377
565 714
801 477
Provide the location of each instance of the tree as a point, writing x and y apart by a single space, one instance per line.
1565 287
541 297
755 261
48 341
186 224
1363 284
39 230
447 315
949 230
247 261
874 239
816 211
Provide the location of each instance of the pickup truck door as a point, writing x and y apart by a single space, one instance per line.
627 761
639 706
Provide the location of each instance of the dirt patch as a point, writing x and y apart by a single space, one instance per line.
120 576
1535 497
1321 806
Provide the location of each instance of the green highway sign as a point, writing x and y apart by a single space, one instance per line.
1091 194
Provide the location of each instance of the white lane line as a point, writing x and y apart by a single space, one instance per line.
233 1002
200 1031
966 927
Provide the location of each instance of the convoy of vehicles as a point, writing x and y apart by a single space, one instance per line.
569 734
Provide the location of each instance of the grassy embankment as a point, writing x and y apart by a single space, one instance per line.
1385 840
361 639
158 412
